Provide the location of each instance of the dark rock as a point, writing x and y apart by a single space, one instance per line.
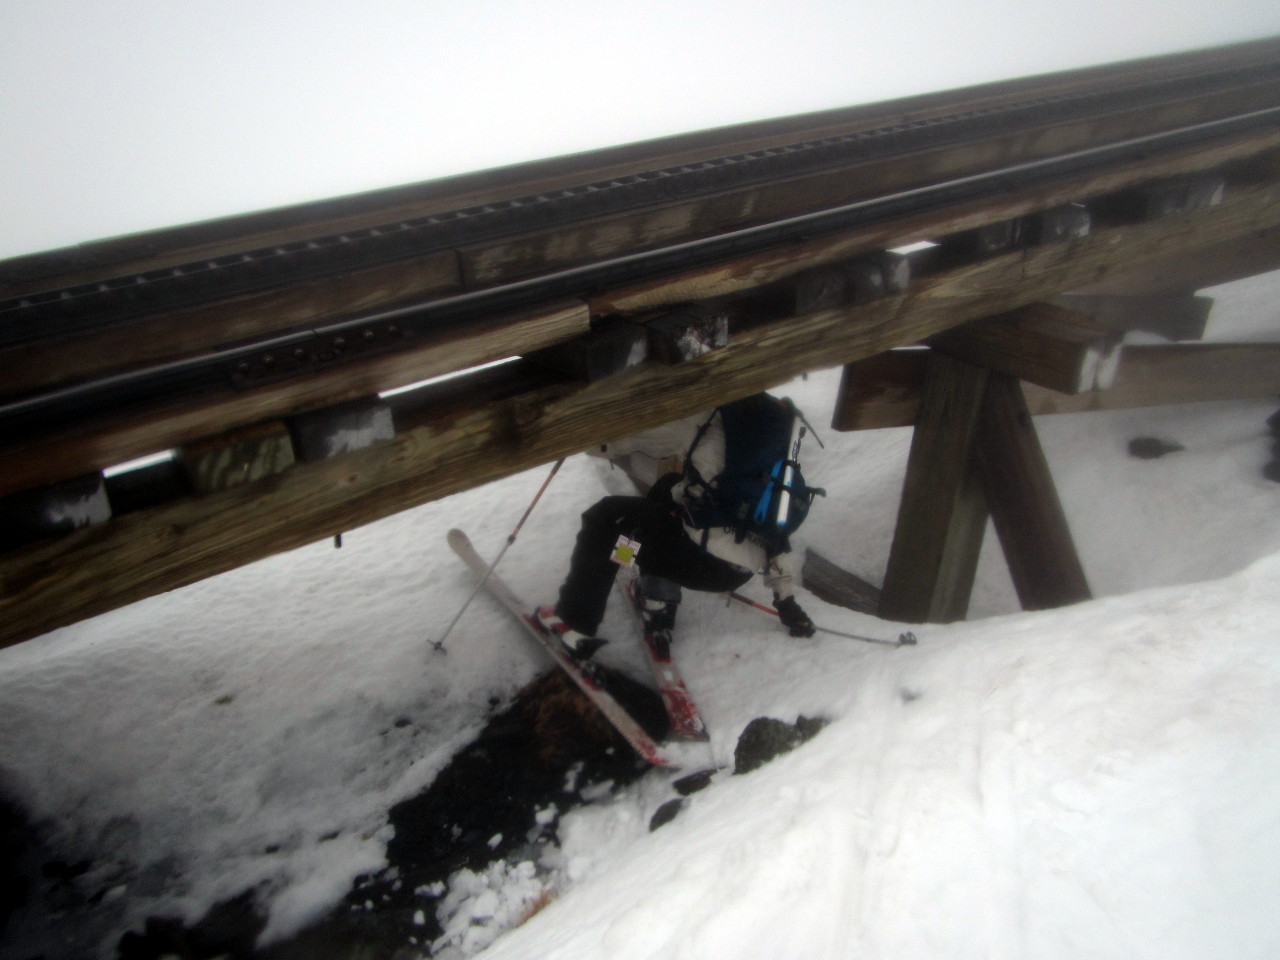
1152 448
666 813
694 782
766 738
1272 471
1273 424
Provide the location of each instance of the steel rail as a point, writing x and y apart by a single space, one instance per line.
92 305
25 418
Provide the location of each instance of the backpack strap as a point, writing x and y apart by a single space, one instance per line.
690 471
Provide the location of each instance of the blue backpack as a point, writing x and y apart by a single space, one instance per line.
761 493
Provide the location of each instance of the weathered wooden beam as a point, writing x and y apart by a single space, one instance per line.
51 458
1222 260
741 275
884 391
880 392
56 457
1046 345
942 516
541 251
179 333
1163 374
91 571
829 582
1023 501
1178 316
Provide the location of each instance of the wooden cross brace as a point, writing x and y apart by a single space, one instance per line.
975 454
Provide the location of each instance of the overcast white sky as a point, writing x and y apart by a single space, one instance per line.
125 115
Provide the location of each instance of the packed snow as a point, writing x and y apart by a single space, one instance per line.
1101 780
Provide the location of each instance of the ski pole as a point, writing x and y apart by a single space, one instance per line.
439 644
904 640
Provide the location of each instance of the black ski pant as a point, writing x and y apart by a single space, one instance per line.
665 551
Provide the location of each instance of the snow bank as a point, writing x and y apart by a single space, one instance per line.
1098 782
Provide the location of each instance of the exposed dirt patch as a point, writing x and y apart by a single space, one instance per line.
499 797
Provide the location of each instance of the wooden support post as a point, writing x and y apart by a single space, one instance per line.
1024 504
943 515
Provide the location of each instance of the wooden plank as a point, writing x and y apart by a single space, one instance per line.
884 391
1176 316
880 392
154 550
831 583
748 273
1024 504
734 207
942 516
1162 374
180 333
1231 258
1046 345
51 458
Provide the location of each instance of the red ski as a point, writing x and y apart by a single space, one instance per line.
686 720
582 674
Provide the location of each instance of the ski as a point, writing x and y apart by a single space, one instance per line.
586 678
686 720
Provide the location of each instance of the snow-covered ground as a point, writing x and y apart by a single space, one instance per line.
1099 781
